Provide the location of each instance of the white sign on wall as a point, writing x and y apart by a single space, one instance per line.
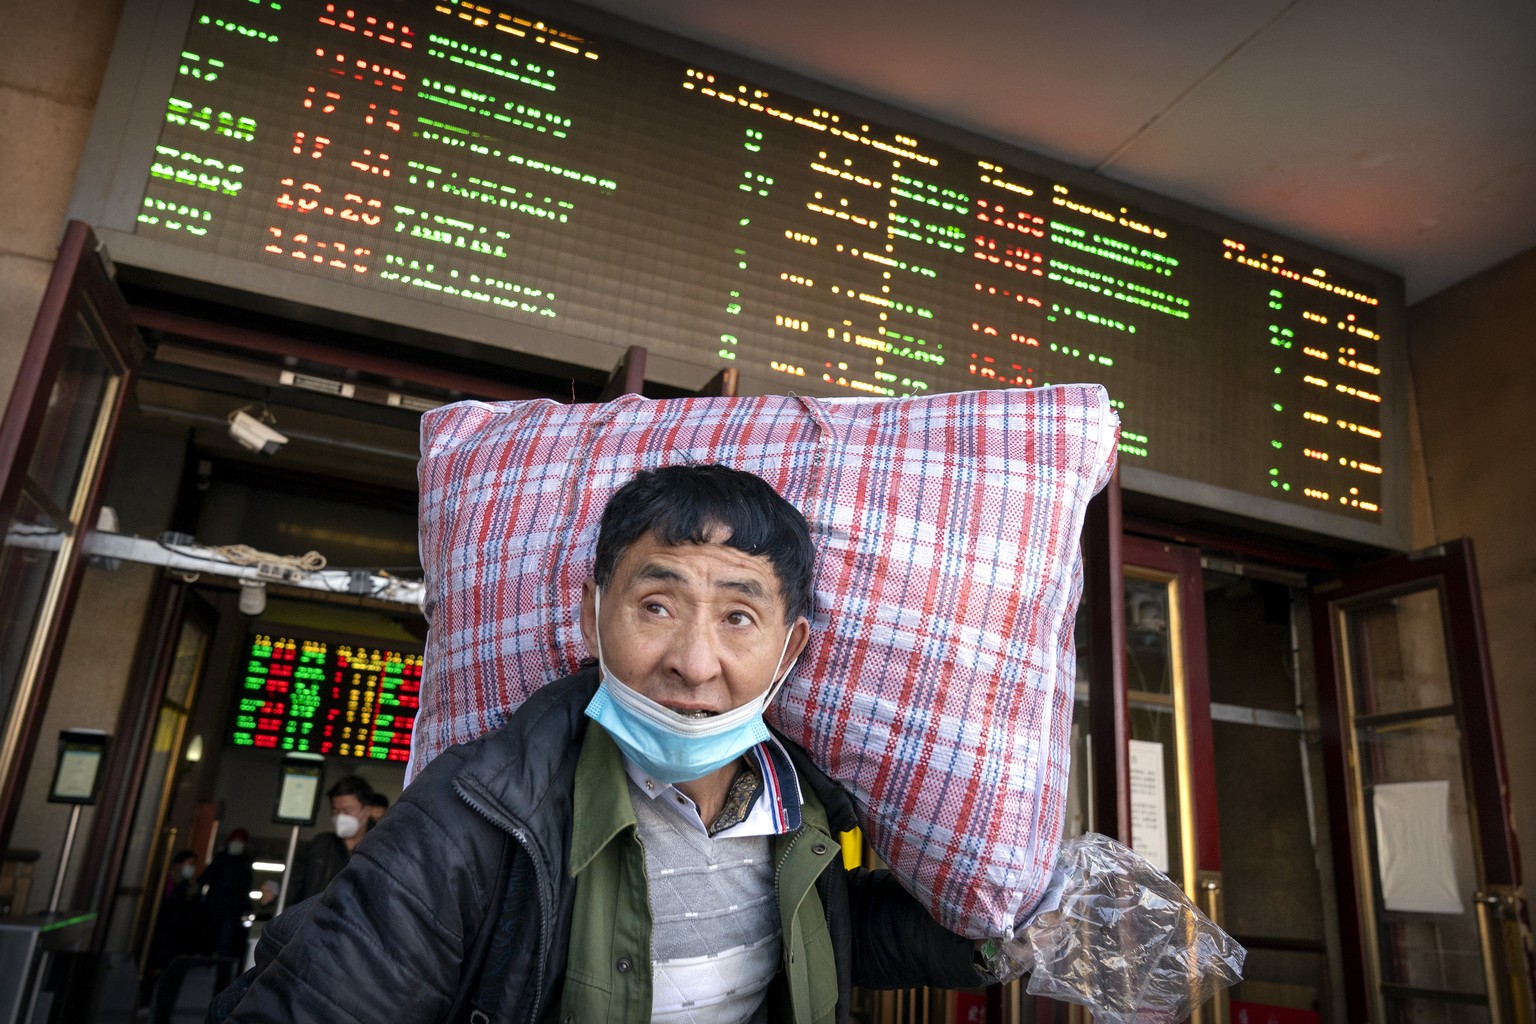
1416 867
1149 807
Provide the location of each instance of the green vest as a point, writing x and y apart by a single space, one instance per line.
608 973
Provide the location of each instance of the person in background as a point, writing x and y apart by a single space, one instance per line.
266 906
226 889
326 854
181 879
179 927
378 803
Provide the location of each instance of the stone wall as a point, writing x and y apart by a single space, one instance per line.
1475 381
53 54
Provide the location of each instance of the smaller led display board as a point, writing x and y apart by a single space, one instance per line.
320 695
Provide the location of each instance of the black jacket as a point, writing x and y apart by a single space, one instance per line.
386 940
321 860
226 884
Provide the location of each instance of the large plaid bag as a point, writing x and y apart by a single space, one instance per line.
938 682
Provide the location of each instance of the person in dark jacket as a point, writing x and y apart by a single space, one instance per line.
642 846
225 885
179 928
326 854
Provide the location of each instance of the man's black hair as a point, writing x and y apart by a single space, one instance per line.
351 785
376 800
690 504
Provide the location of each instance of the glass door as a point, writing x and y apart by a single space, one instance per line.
152 840
1435 926
1263 712
1141 730
1219 775
55 439
1172 785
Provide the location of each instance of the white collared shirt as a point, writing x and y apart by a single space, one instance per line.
774 812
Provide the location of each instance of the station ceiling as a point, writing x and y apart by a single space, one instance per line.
1398 132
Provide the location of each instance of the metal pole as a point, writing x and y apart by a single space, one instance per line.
282 890
69 847
1494 968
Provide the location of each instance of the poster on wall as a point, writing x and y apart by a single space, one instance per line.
1149 807
1414 859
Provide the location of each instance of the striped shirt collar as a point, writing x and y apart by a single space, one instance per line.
776 810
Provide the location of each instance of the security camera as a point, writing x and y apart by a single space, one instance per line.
252 433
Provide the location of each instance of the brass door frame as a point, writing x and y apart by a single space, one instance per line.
1178 568
80 292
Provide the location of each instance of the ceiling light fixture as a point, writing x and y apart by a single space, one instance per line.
253 597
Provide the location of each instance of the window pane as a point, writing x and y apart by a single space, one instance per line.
1426 748
1428 950
1148 654
1433 1011
187 664
1156 808
1079 817
72 411
140 885
26 564
1270 880
1399 655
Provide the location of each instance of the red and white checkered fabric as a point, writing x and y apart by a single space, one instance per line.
938 682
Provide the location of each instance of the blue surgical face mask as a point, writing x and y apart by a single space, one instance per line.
669 746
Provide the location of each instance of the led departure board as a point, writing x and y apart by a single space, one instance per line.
320 696
473 164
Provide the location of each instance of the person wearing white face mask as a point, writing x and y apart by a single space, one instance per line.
179 927
225 885
326 854
636 841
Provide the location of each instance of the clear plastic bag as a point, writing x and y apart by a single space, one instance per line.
1118 936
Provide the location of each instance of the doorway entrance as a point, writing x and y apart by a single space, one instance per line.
1435 913
1246 726
1223 770
1312 755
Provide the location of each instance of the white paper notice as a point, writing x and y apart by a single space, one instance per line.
1149 808
1078 784
1413 847
297 800
77 774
